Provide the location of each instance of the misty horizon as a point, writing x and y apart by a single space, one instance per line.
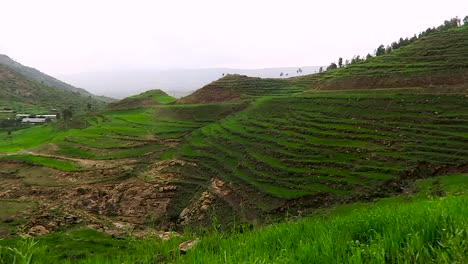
62 38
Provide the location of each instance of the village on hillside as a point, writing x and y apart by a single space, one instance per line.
10 120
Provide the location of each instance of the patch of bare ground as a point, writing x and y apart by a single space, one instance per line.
200 208
130 203
126 163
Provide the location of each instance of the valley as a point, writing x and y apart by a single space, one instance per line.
249 165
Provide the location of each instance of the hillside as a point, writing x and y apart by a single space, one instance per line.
146 99
438 61
44 79
246 151
238 87
39 93
176 82
425 224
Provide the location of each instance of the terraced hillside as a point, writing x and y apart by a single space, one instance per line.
247 149
114 161
314 150
437 61
237 87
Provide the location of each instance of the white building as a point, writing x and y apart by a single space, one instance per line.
33 120
47 116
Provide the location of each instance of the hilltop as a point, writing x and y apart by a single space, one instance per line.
437 62
235 87
176 82
145 99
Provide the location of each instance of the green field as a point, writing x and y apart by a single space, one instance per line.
290 147
362 164
63 165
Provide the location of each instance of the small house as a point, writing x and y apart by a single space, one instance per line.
34 120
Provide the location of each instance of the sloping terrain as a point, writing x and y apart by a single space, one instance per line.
27 90
146 99
247 149
19 93
308 151
37 76
437 61
238 87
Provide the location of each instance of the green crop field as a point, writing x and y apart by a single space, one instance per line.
366 163
290 147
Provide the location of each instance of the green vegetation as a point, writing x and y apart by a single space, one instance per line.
144 100
63 165
27 138
20 93
436 59
120 133
420 228
239 87
158 96
290 147
250 150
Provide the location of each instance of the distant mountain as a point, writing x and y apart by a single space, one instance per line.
45 79
23 88
176 83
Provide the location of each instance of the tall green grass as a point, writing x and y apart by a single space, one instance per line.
423 231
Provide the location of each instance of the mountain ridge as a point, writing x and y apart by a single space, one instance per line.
45 79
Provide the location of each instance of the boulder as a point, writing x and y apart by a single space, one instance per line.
38 230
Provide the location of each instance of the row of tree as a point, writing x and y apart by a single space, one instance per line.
382 50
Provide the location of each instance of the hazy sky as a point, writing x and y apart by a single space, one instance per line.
68 36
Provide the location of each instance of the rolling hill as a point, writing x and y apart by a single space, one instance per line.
245 150
437 62
146 99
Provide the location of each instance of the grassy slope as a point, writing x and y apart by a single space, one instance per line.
440 59
416 228
336 144
282 147
22 94
285 147
147 99
37 76
238 87
115 134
